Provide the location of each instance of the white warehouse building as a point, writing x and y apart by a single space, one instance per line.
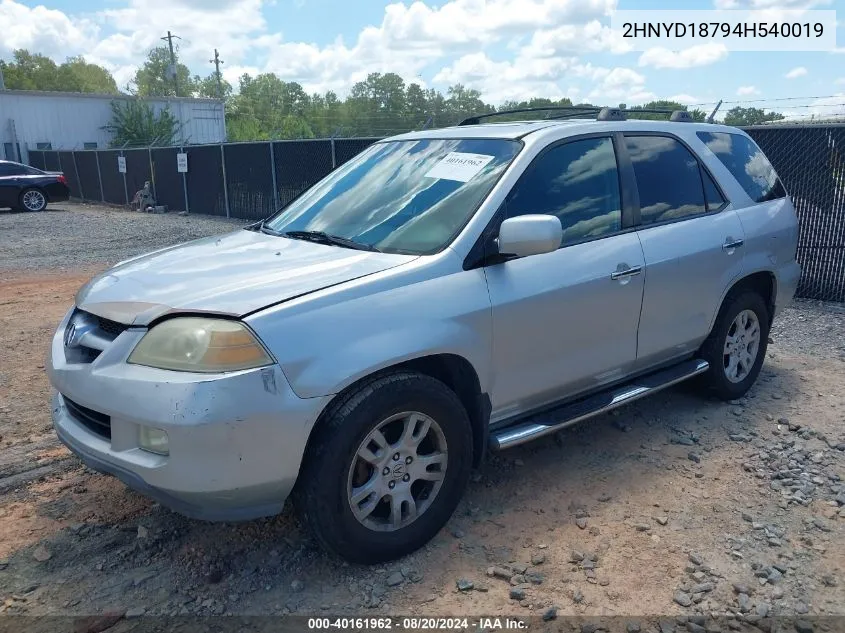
31 119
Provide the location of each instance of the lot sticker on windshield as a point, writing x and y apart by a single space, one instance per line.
459 166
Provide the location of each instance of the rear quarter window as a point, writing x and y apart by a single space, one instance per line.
747 163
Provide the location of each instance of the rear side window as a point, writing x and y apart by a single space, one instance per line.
712 196
10 169
578 182
747 163
669 179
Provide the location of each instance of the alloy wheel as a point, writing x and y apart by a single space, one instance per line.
34 200
742 345
397 471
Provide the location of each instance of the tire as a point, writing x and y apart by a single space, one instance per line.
726 378
333 468
32 200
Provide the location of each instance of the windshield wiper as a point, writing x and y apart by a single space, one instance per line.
325 238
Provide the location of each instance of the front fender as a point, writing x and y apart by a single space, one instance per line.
332 339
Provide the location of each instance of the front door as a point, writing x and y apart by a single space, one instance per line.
565 322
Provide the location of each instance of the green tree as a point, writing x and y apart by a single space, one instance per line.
30 71
135 123
155 79
463 102
663 104
750 116
209 88
77 75
33 71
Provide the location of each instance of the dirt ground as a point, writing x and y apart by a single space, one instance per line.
675 506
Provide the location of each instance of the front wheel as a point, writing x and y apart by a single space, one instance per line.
387 468
737 345
33 200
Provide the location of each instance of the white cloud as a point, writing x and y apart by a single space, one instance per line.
840 81
572 39
747 91
43 30
685 99
700 55
800 71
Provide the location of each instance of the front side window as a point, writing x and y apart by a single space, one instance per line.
747 164
668 179
579 183
402 196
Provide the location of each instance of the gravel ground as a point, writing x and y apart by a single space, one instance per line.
679 513
93 235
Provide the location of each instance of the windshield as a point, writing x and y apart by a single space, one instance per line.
402 196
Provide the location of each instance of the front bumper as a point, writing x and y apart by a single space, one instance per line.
236 440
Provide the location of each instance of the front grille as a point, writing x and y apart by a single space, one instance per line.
113 328
94 421
94 335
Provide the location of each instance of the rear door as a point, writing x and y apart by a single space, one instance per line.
692 242
565 322
766 213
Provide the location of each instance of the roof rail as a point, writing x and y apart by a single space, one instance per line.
476 119
600 114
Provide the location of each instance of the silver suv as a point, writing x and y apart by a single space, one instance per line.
444 293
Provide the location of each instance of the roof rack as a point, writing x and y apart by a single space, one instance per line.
571 112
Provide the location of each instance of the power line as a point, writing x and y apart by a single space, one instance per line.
691 105
217 61
172 69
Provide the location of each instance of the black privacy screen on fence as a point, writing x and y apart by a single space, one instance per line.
810 161
249 180
205 180
299 165
69 168
111 179
89 179
167 180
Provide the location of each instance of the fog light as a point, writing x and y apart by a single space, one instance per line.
153 440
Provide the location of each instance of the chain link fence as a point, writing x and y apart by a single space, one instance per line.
251 180
810 160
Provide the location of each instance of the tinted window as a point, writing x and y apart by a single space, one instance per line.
578 182
668 178
712 196
8 169
747 163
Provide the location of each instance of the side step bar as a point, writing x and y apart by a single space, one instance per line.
561 417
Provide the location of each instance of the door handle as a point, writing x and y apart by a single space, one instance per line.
628 272
731 244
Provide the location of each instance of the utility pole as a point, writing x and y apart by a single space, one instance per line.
169 40
2 85
217 61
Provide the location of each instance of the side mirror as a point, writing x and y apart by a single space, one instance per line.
530 235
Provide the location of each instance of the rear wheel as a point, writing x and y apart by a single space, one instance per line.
33 200
737 345
387 468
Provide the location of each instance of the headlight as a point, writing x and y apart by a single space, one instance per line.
200 345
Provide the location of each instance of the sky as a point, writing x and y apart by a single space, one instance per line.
507 49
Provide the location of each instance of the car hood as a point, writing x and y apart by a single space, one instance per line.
232 274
